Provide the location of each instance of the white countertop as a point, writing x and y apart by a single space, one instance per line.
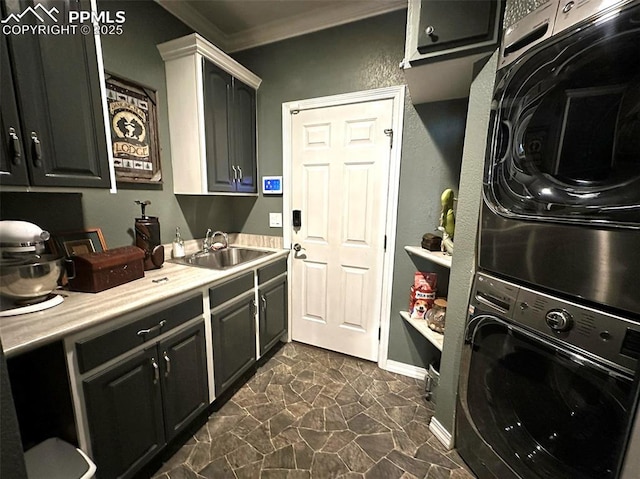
80 311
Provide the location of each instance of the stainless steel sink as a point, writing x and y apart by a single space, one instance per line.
222 259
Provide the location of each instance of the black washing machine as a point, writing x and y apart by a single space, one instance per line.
547 386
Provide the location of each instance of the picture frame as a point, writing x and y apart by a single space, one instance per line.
74 243
133 122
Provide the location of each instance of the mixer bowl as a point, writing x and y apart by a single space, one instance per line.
30 280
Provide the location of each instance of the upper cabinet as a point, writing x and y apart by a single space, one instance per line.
212 119
444 41
52 116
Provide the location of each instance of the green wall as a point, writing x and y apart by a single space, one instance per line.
361 56
353 57
464 260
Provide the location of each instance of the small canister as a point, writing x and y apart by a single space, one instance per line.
436 315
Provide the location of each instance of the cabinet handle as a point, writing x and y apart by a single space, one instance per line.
37 150
144 332
156 371
235 174
239 174
264 302
15 147
167 363
254 307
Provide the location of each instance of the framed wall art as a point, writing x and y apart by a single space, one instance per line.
134 131
72 243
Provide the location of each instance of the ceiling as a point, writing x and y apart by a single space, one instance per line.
235 25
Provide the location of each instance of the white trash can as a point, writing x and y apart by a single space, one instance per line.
57 459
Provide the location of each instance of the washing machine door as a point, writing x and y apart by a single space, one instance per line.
546 411
565 141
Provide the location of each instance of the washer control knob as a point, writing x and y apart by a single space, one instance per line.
559 320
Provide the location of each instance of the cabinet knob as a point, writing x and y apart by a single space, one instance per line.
16 153
430 30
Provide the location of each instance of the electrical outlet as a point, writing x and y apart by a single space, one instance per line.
275 220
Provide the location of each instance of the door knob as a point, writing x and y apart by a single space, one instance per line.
297 248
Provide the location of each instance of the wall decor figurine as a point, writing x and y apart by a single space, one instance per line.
447 220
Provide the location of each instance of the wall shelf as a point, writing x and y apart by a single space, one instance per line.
437 339
437 257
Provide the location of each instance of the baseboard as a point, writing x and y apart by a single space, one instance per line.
441 433
410 370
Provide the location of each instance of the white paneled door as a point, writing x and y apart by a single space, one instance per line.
340 173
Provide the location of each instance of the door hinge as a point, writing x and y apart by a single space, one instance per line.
389 133
379 333
385 242
295 112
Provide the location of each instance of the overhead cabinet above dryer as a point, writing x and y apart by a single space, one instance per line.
444 41
212 119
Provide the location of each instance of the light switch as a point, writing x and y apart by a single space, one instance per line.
275 220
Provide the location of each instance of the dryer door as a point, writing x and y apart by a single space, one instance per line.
565 144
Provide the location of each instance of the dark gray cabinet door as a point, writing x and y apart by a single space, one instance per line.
230 132
273 313
13 167
184 378
244 119
124 413
60 103
454 23
234 343
218 97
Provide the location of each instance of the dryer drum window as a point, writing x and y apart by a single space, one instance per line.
565 141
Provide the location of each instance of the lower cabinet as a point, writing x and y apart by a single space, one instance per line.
273 312
124 412
143 401
234 341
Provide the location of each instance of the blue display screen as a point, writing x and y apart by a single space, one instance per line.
272 184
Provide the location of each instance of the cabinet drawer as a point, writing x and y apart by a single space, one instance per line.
230 289
272 270
94 351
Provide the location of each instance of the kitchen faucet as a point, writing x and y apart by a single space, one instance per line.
207 243
224 235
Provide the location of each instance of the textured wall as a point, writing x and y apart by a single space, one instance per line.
464 260
361 56
517 9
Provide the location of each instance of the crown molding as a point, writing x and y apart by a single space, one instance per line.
290 27
317 20
195 44
190 17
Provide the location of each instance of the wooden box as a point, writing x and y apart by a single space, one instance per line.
96 272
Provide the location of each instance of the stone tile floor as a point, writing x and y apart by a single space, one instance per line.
315 414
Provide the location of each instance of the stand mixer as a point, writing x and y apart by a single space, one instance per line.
27 275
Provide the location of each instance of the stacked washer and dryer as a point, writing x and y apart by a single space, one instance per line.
549 373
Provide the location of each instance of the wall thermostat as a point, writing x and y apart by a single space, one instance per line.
272 185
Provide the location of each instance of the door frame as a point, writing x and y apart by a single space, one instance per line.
397 95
